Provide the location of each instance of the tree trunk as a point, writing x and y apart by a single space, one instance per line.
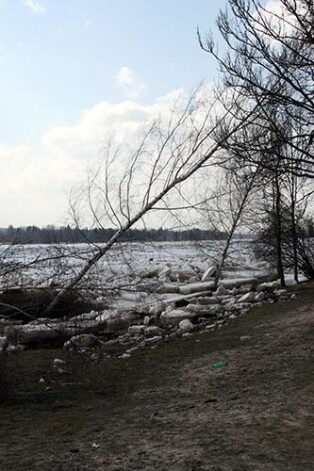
294 231
278 232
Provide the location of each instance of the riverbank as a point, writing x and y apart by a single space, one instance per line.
168 408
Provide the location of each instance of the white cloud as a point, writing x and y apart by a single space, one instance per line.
34 184
131 83
37 6
121 120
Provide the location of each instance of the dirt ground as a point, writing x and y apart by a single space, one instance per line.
168 408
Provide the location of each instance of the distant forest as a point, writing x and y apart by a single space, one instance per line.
67 234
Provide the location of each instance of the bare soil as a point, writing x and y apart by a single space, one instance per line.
168 408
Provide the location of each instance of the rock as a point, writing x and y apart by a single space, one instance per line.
205 300
221 322
216 309
246 288
231 303
120 322
248 297
269 285
125 356
14 348
106 315
280 292
155 311
221 291
81 341
41 381
150 272
146 320
227 299
241 306
62 371
153 330
186 325
209 273
244 311
210 327
131 350
260 297
175 316
187 335
126 339
204 311
152 340
136 329
112 342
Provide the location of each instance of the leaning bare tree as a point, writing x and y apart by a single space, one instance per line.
132 180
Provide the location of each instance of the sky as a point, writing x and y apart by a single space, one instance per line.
71 72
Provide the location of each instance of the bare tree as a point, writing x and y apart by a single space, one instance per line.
270 61
130 183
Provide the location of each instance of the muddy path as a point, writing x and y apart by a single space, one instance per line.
168 408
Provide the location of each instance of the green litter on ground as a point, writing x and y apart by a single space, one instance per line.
220 364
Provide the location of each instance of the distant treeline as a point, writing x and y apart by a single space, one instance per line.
52 234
